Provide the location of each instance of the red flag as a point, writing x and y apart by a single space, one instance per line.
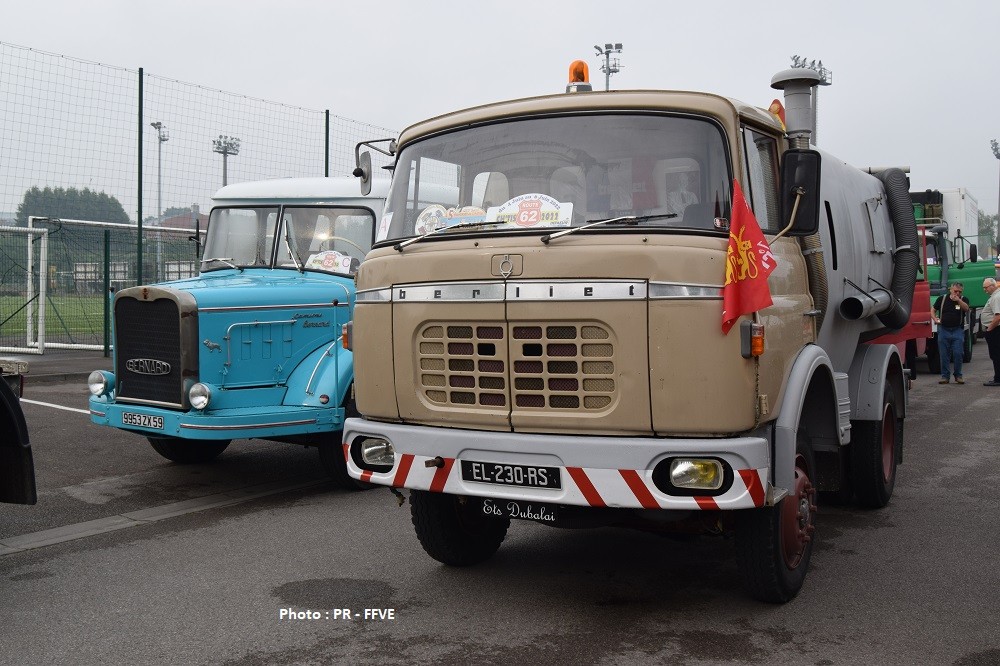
748 263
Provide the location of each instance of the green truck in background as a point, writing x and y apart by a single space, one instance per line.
948 226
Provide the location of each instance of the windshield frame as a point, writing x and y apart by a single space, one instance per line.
275 238
724 156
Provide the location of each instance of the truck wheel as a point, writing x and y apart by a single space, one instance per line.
774 544
911 357
967 347
933 360
331 456
331 453
874 449
454 532
186 451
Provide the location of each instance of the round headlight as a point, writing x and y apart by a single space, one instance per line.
200 395
97 383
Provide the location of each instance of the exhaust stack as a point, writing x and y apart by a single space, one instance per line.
798 84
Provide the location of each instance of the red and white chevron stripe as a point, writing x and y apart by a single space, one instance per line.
616 488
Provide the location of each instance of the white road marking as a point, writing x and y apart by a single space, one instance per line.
49 404
56 535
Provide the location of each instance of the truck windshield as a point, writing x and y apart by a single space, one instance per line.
320 238
552 172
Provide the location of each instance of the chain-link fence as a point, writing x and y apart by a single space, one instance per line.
59 275
82 140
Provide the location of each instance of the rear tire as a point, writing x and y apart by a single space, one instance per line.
875 448
453 532
186 451
933 359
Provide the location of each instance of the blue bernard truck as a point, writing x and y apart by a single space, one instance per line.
251 346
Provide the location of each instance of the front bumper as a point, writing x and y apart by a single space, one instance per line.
231 423
595 471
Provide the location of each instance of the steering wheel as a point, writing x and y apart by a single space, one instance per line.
362 250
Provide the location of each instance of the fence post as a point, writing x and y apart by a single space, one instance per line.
107 292
43 281
138 243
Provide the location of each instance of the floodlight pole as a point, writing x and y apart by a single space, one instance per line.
996 154
610 66
163 137
226 146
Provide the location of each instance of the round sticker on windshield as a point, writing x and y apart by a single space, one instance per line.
431 218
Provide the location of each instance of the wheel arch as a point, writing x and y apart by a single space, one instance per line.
874 366
811 389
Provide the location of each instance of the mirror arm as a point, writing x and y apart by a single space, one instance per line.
799 191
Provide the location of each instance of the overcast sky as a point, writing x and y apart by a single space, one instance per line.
915 82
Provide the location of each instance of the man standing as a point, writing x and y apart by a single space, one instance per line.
949 314
989 318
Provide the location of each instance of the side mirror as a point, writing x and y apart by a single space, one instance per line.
364 172
800 178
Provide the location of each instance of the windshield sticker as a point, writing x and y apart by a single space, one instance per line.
329 260
532 210
436 216
383 227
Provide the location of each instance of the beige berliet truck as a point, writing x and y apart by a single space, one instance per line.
539 325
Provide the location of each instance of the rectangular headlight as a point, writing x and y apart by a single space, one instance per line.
696 473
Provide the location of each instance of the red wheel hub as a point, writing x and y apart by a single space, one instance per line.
798 512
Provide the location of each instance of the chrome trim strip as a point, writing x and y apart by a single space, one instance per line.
295 306
155 403
95 413
576 290
679 291
374 296
251 426
336 368
453 292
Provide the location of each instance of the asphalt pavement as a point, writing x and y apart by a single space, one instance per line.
61 365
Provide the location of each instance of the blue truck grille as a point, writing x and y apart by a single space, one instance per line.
148 352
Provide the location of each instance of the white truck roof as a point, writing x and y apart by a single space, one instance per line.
314 190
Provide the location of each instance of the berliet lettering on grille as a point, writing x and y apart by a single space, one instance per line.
147 366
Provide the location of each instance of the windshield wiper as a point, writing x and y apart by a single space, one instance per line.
625 219
398 247
228 261
288 246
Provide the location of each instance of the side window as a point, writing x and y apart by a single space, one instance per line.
762 173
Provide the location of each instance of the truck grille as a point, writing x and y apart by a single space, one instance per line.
566 367
148 330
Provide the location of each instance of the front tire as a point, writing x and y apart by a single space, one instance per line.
454 532
186 451
774 544
874 451
334 461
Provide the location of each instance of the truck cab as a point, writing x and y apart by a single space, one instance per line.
545 329
17 469
250 348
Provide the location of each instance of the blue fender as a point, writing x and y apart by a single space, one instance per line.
328 371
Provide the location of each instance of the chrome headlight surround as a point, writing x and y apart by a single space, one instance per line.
101 382
200 396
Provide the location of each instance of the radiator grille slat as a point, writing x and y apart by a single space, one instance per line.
565 366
